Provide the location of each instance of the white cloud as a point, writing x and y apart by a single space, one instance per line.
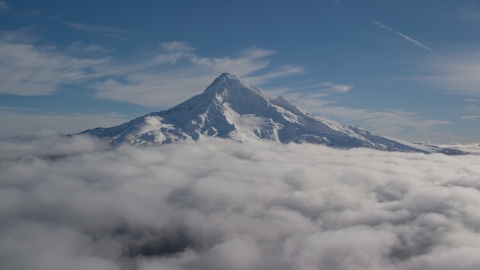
470 117
84 49
282 72
26 69
49 144
340 88
187 75
382 26
159 78
255 52
176 46
103 30
456 73
220 204
395 123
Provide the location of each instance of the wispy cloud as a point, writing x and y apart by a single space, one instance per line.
282 72
80 48
176 46
336 88
470 117
4 5
159 77
454 73
103 30
395 123
26 69
383 26
310 89
176 73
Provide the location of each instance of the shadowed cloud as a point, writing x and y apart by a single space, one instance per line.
219 204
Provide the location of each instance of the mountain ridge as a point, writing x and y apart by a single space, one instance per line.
231 108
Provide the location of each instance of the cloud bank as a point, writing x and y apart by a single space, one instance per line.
221 204
103 30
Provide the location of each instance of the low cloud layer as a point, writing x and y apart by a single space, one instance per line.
220 204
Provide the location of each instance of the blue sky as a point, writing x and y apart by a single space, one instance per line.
406 69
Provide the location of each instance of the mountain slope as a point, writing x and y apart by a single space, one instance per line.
230 108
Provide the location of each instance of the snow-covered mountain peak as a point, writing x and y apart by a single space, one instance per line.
228 84
231 108
228 75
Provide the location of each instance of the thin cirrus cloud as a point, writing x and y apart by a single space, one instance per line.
282 72
188 74
84 49
319 99
470 117
161 77
454 73
333 87
410 125
383 26
177 46
472 100
98 29
27 69
219 204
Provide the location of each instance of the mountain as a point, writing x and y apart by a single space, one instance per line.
230 108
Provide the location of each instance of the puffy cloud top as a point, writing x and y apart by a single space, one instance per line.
221 204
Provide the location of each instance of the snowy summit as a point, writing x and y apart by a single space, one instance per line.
231 108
